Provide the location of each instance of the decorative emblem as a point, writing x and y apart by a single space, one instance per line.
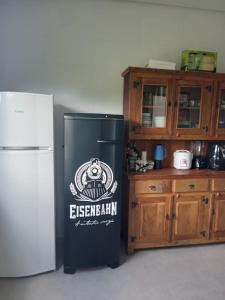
93 182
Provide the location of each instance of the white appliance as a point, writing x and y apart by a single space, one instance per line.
182 159
27 219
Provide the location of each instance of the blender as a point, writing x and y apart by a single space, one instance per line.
199 155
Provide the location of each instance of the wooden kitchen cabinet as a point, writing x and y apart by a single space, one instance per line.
176 215
170 207
166 219
164 104
191 217
153 219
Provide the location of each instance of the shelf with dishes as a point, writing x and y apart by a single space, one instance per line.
153 121
154 106
187 124
189 107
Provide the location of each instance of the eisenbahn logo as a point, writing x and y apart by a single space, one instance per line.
93 182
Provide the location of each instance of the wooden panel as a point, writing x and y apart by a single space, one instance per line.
186 223
220 216
152 186
218 184
154 219
191 217
190 185
218 225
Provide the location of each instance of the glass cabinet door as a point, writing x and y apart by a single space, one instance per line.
189 104
154 107
191 108
221 110
218 123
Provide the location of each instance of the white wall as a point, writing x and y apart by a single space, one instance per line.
77 49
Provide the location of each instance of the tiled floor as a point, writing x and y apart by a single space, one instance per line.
188 273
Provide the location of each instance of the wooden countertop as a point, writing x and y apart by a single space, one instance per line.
171 173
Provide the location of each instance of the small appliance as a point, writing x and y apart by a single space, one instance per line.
182 159
216 156
199 155
159 156
199 162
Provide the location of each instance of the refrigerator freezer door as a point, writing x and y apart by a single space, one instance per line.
27 226
92 239
26 120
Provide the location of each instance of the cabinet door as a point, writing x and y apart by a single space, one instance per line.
218 123
153 107
218 221
153 219
192 109
191 215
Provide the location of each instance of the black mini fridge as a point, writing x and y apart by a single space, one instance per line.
93 160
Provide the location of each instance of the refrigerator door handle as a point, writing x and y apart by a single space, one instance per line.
25 148
106 142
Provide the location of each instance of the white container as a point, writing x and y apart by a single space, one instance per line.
160 64
144 156
159 121
182 159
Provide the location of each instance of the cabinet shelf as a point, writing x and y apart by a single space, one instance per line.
189 108
153 106
174 173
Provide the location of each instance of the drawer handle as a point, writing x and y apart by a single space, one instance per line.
203 233
218 194
205 200
192 186
152 187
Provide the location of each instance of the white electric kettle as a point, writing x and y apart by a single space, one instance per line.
182 159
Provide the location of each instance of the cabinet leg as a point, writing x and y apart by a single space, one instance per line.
69 270
114 265
130 250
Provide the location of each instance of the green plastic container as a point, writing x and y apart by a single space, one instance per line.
194 60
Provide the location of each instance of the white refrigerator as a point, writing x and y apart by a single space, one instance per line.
27 216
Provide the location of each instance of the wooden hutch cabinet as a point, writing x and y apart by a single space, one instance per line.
170 207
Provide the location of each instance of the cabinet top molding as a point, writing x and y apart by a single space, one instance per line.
203 74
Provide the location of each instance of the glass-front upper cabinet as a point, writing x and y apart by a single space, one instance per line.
154 107
220 111
191 108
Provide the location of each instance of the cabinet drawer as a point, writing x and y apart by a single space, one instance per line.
218 184
152 186
191 185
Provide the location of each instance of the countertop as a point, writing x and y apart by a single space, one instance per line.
171 173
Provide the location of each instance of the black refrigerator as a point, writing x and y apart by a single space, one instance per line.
93 161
